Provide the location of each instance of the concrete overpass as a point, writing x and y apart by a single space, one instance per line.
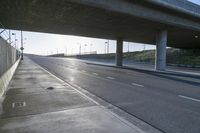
173 23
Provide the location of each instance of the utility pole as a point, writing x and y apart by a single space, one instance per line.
128 47
9 36
22 47
144 47
108 46
105 48
14 34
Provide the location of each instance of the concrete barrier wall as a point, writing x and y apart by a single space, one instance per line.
9 60
6 77
8 56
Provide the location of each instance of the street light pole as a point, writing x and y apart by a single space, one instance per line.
105 47
128 47
14 34
9 36
108 47
144 47
22 48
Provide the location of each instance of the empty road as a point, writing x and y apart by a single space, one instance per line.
171 103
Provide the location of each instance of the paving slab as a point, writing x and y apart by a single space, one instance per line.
37 102
82 120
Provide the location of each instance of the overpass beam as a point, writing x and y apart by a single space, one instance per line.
161 44
119 52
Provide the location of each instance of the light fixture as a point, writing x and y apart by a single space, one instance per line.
196 36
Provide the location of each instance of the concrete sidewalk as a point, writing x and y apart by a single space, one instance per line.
37 102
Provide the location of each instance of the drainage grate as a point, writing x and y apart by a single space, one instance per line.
18 104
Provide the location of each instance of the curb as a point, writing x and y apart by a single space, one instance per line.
7 76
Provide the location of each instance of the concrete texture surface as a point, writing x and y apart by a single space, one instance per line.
6 77
37 102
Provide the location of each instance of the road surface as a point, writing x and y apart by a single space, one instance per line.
170 103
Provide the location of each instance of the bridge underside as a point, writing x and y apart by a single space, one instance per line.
65 17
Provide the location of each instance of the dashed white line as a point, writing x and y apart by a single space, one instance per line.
189 98
110 78
135 84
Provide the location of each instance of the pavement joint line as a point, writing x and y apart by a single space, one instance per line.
135 84
189 98
104 108
98 104
51 112
70 86
110 78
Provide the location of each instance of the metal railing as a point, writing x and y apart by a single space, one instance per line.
6 35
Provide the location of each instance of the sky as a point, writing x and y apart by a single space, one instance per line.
45 44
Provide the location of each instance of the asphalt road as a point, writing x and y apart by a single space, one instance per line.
168 102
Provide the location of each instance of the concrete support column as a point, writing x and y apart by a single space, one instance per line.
161 44
119 52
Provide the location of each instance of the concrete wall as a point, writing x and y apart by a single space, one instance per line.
6 77
9 60
8 56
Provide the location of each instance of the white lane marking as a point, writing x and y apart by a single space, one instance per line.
95 73
189 98
110 78
137 85
68 84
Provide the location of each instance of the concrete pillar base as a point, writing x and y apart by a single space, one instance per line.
119 52
161 44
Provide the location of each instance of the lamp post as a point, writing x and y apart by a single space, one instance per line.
107 45
22 47
105 48
14 34
128 47
144 47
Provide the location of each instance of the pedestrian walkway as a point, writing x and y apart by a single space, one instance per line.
37 102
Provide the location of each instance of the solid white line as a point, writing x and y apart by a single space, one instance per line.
137 85
110 78
68 84
189 98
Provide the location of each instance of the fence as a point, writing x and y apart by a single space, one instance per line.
8 53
